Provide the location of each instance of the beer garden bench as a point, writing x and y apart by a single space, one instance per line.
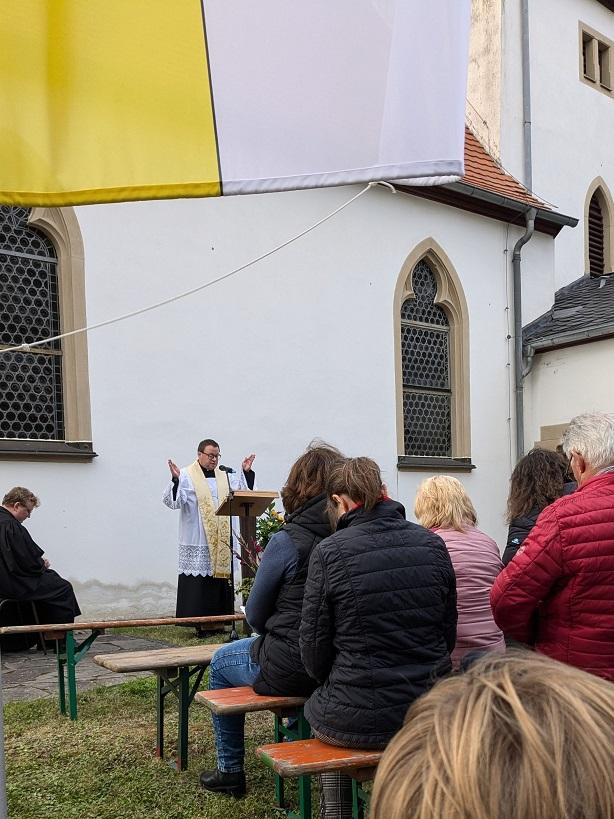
69 652
305 758
244 700
178 671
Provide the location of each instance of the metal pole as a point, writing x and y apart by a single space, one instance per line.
517 279
3 807
526 97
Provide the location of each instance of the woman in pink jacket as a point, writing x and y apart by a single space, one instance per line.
443 506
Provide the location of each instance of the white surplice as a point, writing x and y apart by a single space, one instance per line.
193 556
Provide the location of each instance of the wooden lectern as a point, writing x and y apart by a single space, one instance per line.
247 506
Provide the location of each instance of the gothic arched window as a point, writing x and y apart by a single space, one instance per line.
31 404
425 354
599 229
44 390
596 238
432 363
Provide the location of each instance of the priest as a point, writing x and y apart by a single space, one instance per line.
25 574
205 562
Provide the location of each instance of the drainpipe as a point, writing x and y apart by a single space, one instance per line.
517 285
526 97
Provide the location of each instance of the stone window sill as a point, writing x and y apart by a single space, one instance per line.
414 462
12 449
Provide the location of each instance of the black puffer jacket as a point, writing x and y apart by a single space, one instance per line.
520 527
277 650
518 531
379 622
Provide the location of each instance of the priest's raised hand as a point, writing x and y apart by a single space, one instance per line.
174 469
247 463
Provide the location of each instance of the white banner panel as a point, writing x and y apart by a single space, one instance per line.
328 92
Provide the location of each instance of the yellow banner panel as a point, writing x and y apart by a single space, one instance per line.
104 100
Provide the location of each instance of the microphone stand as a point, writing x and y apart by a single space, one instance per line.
233 631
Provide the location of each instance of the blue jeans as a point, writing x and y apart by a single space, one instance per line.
231 667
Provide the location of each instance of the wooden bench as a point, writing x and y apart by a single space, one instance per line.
311 756
179 671
244 700
69 653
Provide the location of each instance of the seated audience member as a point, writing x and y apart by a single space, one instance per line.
537 481
24 572
515 737
379 619
564 570
271 662
443 506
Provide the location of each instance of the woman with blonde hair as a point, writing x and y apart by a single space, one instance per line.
443 506
515 737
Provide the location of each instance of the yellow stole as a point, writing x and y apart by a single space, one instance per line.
217 528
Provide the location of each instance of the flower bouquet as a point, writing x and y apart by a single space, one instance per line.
251 552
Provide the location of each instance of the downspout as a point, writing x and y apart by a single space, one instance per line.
518 364
526 97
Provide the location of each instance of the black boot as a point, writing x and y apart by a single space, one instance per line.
232 784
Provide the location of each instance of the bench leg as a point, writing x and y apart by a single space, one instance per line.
183 695
302 730
360 800
304 782
279 782
40 636
71 669
160 695
61 680
304 797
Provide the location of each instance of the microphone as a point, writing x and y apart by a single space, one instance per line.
227 469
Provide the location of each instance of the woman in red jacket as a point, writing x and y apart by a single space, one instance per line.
564 570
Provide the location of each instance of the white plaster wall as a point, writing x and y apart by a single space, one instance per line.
572 123
567 382
299 346
538 273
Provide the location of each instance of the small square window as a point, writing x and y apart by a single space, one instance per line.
596 57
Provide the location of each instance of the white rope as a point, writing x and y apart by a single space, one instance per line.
27 347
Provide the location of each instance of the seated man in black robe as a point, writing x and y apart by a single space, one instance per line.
24 572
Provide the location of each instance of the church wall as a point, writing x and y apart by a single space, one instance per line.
484 77
567 382
296 347
571 121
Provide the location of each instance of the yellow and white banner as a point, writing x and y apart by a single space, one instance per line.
113 100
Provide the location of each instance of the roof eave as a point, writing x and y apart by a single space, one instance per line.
493 205
545 214
569 339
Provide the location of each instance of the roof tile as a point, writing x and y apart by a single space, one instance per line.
483 171
586 306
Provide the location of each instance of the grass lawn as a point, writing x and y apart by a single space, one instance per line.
102 766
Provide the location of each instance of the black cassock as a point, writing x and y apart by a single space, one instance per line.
23 577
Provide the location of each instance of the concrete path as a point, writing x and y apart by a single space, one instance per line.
29 675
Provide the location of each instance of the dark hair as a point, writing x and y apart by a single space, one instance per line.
360 479
308 475
18 494
536 482
207 442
